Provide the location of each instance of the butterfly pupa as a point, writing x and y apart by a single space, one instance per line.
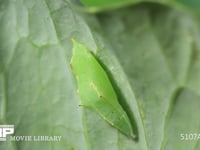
95 89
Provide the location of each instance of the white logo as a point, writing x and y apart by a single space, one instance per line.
5 130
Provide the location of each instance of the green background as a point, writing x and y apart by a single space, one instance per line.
151 50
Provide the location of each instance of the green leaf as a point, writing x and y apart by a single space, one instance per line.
150 53
101 5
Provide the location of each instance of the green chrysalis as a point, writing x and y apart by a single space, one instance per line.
95 90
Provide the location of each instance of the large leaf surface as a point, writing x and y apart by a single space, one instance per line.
151 52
